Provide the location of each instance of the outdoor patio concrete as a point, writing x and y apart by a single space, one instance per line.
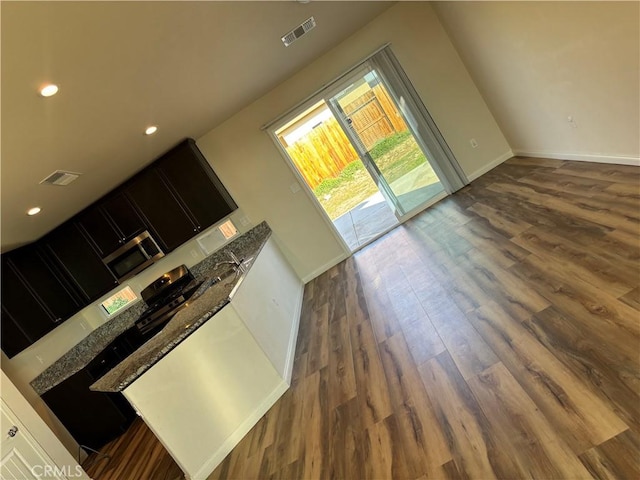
366 221
373 217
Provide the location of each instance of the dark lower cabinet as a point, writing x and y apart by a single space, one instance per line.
92 418
95 418
80 261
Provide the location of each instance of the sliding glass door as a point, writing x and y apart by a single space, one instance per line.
368 150
386 145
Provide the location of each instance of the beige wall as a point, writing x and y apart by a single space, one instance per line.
537 63
258 177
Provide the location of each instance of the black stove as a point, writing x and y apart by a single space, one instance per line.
166 296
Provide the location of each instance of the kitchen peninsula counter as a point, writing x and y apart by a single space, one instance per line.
205 303
245 246
218 366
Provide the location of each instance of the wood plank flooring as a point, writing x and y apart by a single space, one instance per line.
495 335
136 455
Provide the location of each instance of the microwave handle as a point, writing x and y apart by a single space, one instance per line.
148 255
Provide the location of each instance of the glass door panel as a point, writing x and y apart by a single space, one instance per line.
385 142
325 158
368 151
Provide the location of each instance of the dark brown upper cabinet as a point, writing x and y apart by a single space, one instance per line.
12 337
179 195
78 259
110 223
48 284
190 177
35 298
24 318
169 222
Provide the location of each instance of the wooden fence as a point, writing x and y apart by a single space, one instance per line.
374 116
326 150
322 153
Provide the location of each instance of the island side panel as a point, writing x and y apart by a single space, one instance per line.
269 301
207 393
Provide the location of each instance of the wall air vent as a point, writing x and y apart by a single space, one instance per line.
299 31
60 177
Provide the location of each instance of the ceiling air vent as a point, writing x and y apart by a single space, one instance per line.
299 31
60 177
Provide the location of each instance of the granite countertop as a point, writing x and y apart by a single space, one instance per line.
202 306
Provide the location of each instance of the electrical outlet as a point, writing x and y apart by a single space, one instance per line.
295 187
194 253
474 143
244 221
572 122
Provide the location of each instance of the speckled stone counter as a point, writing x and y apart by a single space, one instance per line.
79 356
181 326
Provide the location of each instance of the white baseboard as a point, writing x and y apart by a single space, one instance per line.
613 159
293 340
320 270
490 166
233 439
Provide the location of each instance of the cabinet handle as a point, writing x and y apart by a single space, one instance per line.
12 431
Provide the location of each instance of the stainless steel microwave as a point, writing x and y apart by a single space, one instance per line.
134 256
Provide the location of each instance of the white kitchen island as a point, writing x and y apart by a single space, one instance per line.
208 391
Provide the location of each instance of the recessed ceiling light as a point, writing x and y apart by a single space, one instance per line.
151 130
33 211
49 90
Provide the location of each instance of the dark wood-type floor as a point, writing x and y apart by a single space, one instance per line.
495 335
136 455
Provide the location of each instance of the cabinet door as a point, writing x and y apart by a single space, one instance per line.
111 223
23 307
53 291
13 339
124 216
99 230
162 211
78 259
199 188
92 418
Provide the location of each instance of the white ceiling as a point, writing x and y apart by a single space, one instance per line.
121 66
